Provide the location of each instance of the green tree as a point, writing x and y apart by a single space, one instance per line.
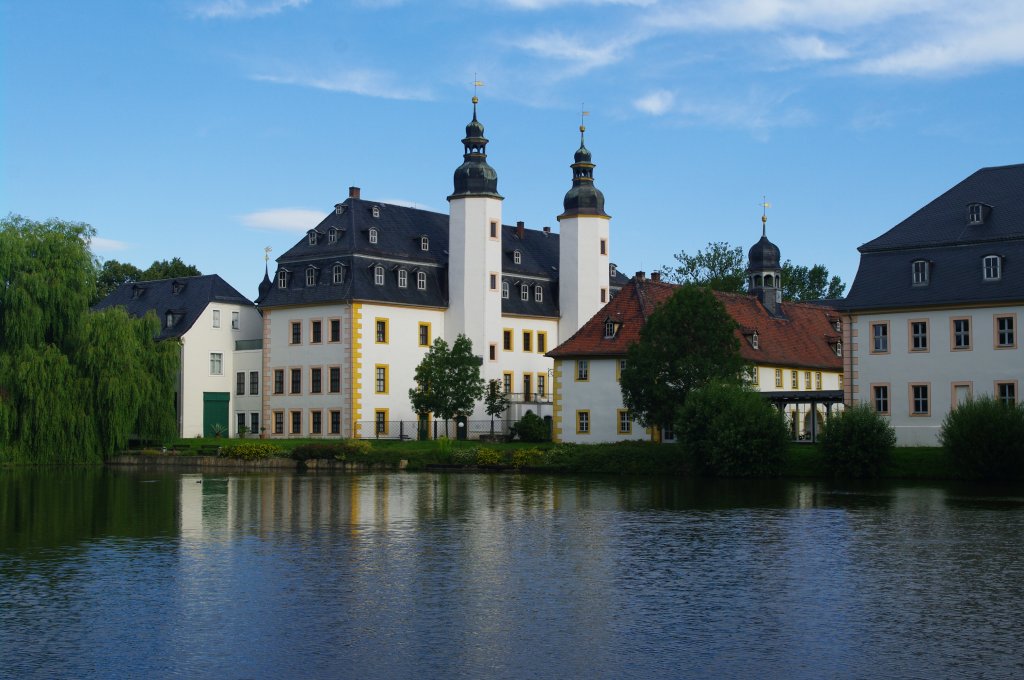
74 385
172 269
448 382
687 342
719 267
113 273
496 401
809 283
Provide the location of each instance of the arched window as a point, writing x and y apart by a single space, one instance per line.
524 293
538 293
424 243
373 236
375 210
332 235
517 257
312 238
338 274
991 269
310 276
504 290
282 278
421 280
378 275
403 278
920 272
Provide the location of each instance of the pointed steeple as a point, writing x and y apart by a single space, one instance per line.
475 177
583 198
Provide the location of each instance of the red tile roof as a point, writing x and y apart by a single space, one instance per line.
803 336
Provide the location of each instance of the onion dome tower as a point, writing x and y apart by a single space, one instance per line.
583 198
764 271
475 177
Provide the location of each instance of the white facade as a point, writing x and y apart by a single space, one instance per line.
588 403
583 260
914 366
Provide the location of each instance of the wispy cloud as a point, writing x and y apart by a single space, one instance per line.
107 245
243 9
283 219
812 48
582 53
366 82
656 103
758 113
549 4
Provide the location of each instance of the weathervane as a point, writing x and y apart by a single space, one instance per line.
266 254
476 84
764 213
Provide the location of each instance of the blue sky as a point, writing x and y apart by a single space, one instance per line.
209 129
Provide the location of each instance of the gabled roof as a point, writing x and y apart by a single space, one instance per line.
187 296
802 336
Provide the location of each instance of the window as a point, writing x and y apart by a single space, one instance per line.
527 341
254 422
378 275
335 330
296 425
494 282
604 247
817 380
296 381
316 328
609 329
524 292
1005 337
216 363
920 270
375 211
403 278
778 377
582 422
755 378
332 233
494 229
381 332
216 318
239 422
961 331
974 214
918 336
492 350
506 381
542 342
795 380
612 270
541 384
235 321
424 335
421 280
380 421
517 257
278 381
582 370
334 379
316 422
424 243
527 387
310 276
338 274
919 405
278 422
282 279
538 293
990 267
625 424
335 422
240 382
296 332
755 340
1006 392
315 380
312 238
373 236
504 290
880 395
880 338
604 295
807 380
839 348
506 339
619 365
380 382
254 382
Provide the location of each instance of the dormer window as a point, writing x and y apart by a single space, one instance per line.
312 238
403 278
177 287
373 234
920 272
992 267
612 270
424 243
332 235
524 292
975 213
169 320
538 293
339 208
755 341
421 280
338 273
310 276
375 211
137 292
839 348
504 290
282 278
378 275
173 317
517 257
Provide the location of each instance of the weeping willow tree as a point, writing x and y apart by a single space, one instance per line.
74 385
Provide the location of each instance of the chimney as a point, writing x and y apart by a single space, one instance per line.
547 230
656 276
520 230
639 276
353 192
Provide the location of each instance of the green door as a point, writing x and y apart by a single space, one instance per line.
215 412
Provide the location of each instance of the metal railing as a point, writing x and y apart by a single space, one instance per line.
434 429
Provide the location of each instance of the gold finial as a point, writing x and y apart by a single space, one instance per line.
476 84
764 213
266 254
583 112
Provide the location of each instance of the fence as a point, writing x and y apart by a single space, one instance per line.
412 429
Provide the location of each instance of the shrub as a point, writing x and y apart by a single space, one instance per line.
485 456
985 438
561 456
857 443
532 428
527 458
250 451
465 456
732 431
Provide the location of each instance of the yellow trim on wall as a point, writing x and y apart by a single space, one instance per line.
556 402
357 367
430 333
527 340
511 345
387 330
376 369
590 425
618 421
541 343
377 412
579 364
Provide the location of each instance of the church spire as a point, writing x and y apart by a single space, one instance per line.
583 198
475 177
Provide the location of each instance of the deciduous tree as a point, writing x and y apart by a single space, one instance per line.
719 266
809 283
448 382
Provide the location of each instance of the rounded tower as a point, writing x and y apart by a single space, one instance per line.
764 271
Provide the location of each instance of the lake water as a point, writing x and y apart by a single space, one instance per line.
129 573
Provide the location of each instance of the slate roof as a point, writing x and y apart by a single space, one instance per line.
941 234
399 230
802 336
186 297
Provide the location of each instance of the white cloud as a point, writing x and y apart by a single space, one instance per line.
812 48
582 54
107 245
283 219
548 4
367 82
243 9
656 103
759 113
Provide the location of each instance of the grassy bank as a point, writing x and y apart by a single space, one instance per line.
625 458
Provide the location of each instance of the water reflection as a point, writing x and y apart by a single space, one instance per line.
127 573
